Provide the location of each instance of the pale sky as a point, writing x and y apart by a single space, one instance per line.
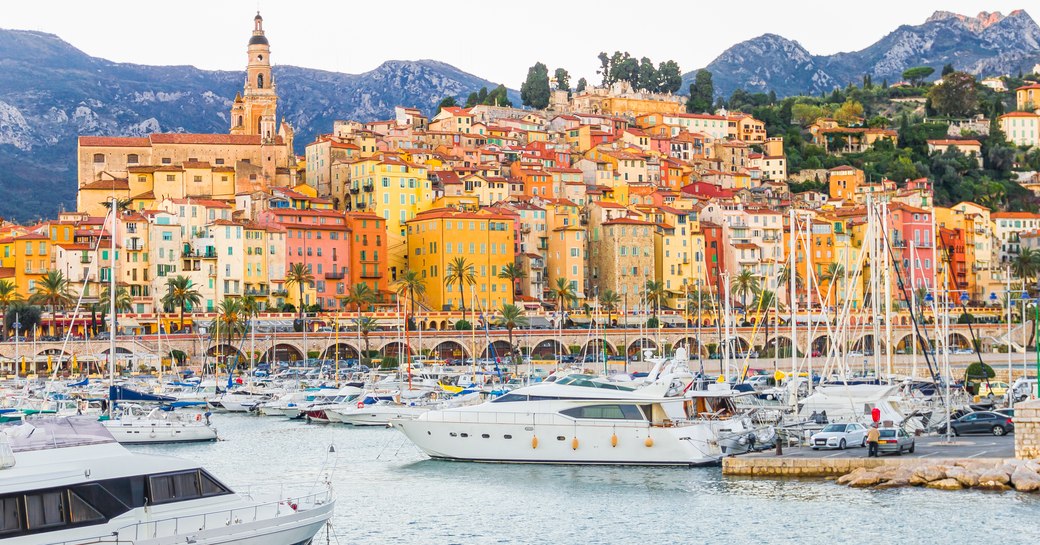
494 40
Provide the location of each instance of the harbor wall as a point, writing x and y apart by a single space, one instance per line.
760 466
1027 430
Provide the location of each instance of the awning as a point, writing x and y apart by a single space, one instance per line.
128 322
581 320
632 320
672 319
538 322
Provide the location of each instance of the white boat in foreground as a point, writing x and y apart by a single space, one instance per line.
580 419
67 481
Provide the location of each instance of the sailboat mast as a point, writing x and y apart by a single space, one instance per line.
886 248
792 275
112 304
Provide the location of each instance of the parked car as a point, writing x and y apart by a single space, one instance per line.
1023 388
983 422
993 389
839 436
1010 413
895 440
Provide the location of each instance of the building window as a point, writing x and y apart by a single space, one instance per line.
99 157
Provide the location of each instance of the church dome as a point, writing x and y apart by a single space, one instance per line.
258 40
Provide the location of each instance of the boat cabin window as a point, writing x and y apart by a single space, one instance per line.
607 412
80 511
183 485
10 516
521 397
43 510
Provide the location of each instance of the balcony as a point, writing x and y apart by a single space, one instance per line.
264 292
334 275
368 188
84 259
354 190
280 293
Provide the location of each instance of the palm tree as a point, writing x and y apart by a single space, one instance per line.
52 290
609 300
251 309
513 273
563 293
366 325
360 296
230 322
300 276
784 278
744 284
181 294
124 303
834 273
1026 264
460 272
764 300
8 295
511 318
653 295
412 285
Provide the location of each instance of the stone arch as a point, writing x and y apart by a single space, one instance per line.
54 352
821 345
227 354
450 350
690 343
119 350
636 347
865 344
496 349
394 349
340 351
282 352
599 346
906 344
782 343
959 340
548 349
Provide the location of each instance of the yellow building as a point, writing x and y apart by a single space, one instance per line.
25 260
843 181
483 238
396 190
1027 98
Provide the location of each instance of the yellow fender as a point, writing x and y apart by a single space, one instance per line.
649 442
613 440
534 442
574 444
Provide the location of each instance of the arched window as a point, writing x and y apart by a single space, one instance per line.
259 81
239 121
99 157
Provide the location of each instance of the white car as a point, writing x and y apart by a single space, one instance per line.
840 436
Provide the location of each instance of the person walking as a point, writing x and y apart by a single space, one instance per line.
872 441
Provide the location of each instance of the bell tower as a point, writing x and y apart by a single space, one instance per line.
255 109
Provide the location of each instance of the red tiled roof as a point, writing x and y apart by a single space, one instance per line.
114 142
111 185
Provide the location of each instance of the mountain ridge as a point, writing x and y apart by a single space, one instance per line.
989 43
51 93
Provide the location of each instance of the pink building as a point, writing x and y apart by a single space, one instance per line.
908 224
320 240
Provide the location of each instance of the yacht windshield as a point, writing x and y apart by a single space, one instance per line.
590 382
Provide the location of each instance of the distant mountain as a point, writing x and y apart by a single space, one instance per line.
51 92
987 44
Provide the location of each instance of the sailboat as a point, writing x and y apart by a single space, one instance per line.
131 425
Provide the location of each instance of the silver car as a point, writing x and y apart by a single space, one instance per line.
839 436
895 440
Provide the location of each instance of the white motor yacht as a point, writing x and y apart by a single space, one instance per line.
66 480
579 419
134 426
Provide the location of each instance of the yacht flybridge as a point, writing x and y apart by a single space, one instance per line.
581 419
67 481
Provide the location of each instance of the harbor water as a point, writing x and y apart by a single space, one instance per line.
389 492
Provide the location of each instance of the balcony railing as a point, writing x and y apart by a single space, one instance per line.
338 275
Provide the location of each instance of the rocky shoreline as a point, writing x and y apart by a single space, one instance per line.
1020 475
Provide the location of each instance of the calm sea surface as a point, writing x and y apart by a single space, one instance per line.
389 492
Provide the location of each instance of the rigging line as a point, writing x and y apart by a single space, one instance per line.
82 292
922 339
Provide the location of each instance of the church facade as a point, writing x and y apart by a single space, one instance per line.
256 153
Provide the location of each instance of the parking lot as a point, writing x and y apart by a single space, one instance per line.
964 447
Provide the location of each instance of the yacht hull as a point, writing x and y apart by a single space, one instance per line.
687 445
374 415
144 432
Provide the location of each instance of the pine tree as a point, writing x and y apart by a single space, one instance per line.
582 84
702 90
563 79
535 90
